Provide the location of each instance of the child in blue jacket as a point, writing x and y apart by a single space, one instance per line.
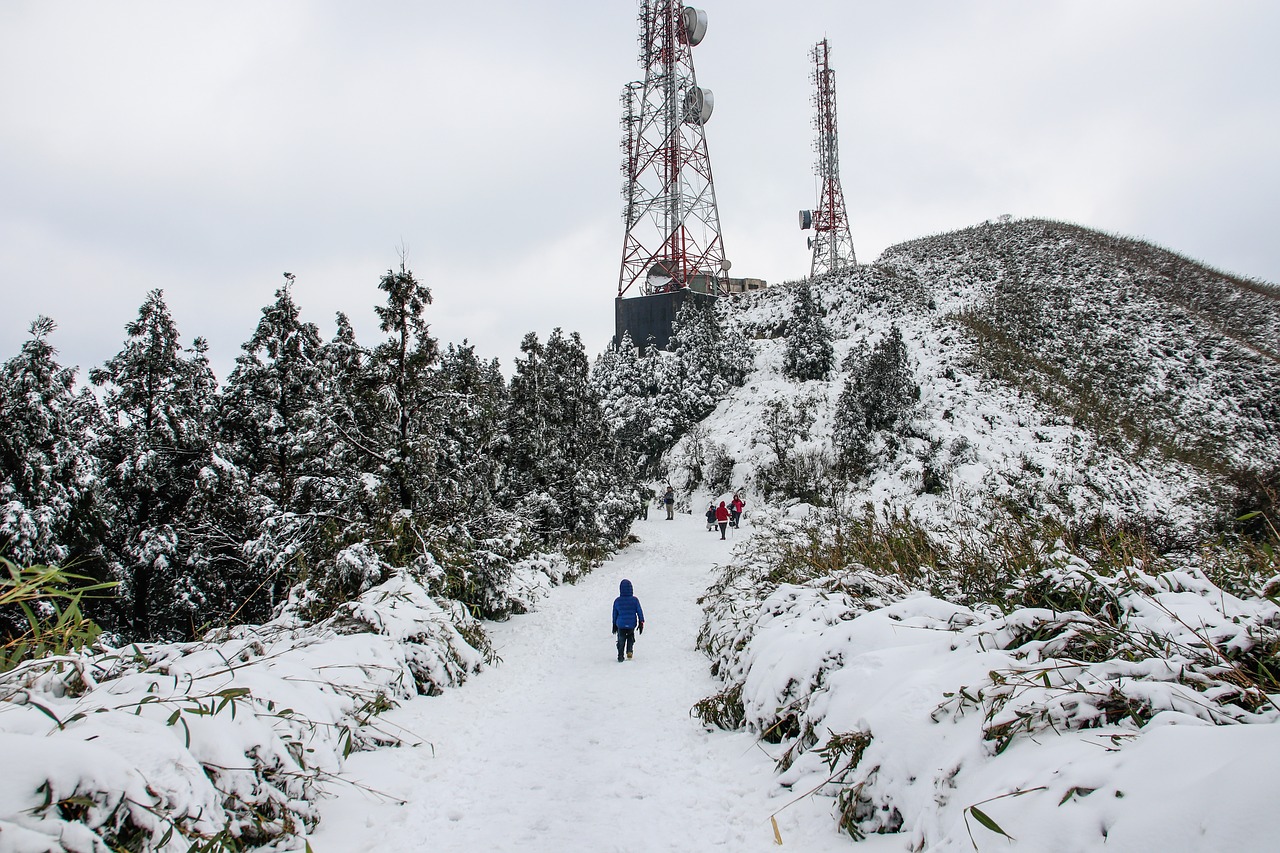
627 619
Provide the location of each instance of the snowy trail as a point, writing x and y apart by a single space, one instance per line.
561 747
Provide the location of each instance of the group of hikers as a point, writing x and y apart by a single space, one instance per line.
723 516
726 515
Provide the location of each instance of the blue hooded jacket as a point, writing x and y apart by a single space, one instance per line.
626 607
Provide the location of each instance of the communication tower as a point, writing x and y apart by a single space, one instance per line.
832 244
672 240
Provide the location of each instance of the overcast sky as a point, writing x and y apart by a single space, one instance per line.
205 148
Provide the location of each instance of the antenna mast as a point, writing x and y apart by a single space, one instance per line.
832 243
672 239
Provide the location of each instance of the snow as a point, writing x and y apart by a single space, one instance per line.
559 747
562 748
982 443
384 726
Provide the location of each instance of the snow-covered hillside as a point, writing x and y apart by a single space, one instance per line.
1061 371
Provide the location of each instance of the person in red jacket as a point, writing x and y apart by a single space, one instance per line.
735 509
722 518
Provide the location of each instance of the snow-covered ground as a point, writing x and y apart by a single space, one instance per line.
562 748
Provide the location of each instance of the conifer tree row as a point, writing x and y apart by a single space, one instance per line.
314 471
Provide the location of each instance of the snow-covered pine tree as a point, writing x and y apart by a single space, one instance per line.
710 359
156 443
345 487
665 420
616 373
48 476
214 582
809 353
529 436
850 435
375 483
471 436
562 464
596 499
270 401
405 390
878 391
272 422
344 500
889 388
628 383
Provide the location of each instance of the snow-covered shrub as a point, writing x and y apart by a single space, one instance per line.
1093 639
800 468
914 712
496 574
220 744
695 447
794 566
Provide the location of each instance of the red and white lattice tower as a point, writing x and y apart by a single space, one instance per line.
672 236
832 243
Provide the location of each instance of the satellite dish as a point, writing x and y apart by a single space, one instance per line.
725 264
698 105
694 23
661 277
806 220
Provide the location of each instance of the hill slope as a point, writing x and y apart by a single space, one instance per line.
1061 370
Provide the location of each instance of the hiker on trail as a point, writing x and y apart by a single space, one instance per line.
627 619
735 509
646 495
711 515
722 518
670 500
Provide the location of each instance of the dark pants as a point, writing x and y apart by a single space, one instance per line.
723 526
733 518
626 641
